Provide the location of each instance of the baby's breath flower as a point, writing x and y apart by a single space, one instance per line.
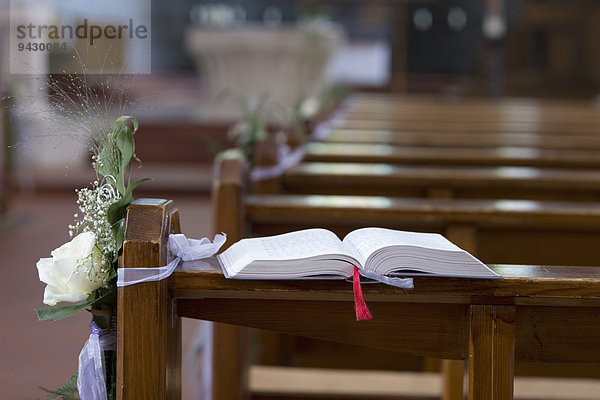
94 203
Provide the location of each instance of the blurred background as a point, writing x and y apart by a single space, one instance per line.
210 63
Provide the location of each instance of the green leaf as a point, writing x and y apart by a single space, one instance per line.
126 147
122 121
118 229
56 313
68 391
117 210
135 184
125 144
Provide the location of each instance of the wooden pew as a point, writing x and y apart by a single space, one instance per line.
411 113
574 125
148 327
435 169
537 229
454 150
476 108
545 161
498 231
424 168
486 156
442 181
449 147
433 125
484 111
544 314
228 195
466 140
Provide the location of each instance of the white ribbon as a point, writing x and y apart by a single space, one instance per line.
181 248
286 158
91 375
323 129
403 283
194 249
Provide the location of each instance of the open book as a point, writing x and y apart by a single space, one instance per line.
320 253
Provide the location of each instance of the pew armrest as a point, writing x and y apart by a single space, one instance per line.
148 332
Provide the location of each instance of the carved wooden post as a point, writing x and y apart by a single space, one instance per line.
265 156
228 362
465 237
491 348
148 333
227 196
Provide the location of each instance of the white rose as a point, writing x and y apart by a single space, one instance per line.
74 270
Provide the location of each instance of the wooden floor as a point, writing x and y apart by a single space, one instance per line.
269 382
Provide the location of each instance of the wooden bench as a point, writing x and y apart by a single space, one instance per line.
447 169
583 114
501 156
418 114
502 122
468 182
535 314
497 231
539 232
461 233
465 126
520 109
466 140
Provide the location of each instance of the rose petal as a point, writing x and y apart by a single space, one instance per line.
62 270
44 266
53 295
80 246
79 282
63 251
67 272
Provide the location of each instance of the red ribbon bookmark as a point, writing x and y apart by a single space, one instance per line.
362 311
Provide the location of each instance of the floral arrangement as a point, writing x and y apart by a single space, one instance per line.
252 128
84 271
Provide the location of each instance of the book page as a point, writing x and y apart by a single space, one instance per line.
365 241
302 244
289 246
